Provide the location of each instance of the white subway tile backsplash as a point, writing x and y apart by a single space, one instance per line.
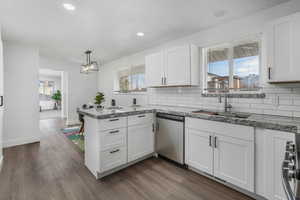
264 106
296 114
289 108
296 101
283 100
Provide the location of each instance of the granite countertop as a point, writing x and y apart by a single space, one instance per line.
280 123
109 113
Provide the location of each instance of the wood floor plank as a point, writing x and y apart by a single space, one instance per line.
54 170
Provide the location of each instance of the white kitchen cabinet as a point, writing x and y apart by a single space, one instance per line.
199 153
140 141
112 144
182 66
223 150
283 49
154 69
112 158
177 66
270 149
234 161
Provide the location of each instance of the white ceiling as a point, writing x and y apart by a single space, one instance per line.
109 26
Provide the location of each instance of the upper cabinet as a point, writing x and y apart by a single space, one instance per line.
154 69
283 49
177 66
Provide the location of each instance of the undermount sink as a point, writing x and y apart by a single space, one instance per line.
225 114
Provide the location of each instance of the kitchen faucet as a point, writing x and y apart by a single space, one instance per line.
227 105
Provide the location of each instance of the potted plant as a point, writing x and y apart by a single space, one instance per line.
99 99
57 98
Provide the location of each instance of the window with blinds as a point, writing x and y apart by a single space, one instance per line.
232 67
130 79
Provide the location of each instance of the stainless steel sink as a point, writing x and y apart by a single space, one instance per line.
225 114
235 115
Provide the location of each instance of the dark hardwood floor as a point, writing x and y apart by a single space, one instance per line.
54 170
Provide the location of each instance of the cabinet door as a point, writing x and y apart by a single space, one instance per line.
295 50
178 66
283 45
140 141
198 151
281 68
234 161
275 154
154 69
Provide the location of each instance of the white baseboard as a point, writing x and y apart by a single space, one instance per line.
20 141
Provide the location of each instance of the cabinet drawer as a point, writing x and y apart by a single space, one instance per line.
112 123
112 138
113 158
231 130
140 119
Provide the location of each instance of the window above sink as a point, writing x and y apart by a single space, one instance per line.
232 67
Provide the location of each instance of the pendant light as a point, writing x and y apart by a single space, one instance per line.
90 66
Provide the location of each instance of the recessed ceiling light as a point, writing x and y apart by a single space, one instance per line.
69 6
140 34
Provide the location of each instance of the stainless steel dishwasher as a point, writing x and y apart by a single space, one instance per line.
170 137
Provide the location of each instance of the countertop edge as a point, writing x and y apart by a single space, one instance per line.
230 120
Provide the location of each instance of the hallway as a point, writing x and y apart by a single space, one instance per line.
54 170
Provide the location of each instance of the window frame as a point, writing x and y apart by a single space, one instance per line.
116 87
230 46
46 84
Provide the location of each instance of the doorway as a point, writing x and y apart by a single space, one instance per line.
51 94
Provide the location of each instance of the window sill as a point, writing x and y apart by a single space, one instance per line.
237 95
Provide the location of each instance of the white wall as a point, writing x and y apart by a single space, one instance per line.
191 97
21 116
81 88
1 93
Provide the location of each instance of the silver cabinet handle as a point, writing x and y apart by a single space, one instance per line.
112 132
140 116
112 120
114 151
269 73
215 142
153 128
210 138
1 104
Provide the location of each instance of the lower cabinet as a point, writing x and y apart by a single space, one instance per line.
199 153
227 154
270 149
113 157
234 161
111 144
140 141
